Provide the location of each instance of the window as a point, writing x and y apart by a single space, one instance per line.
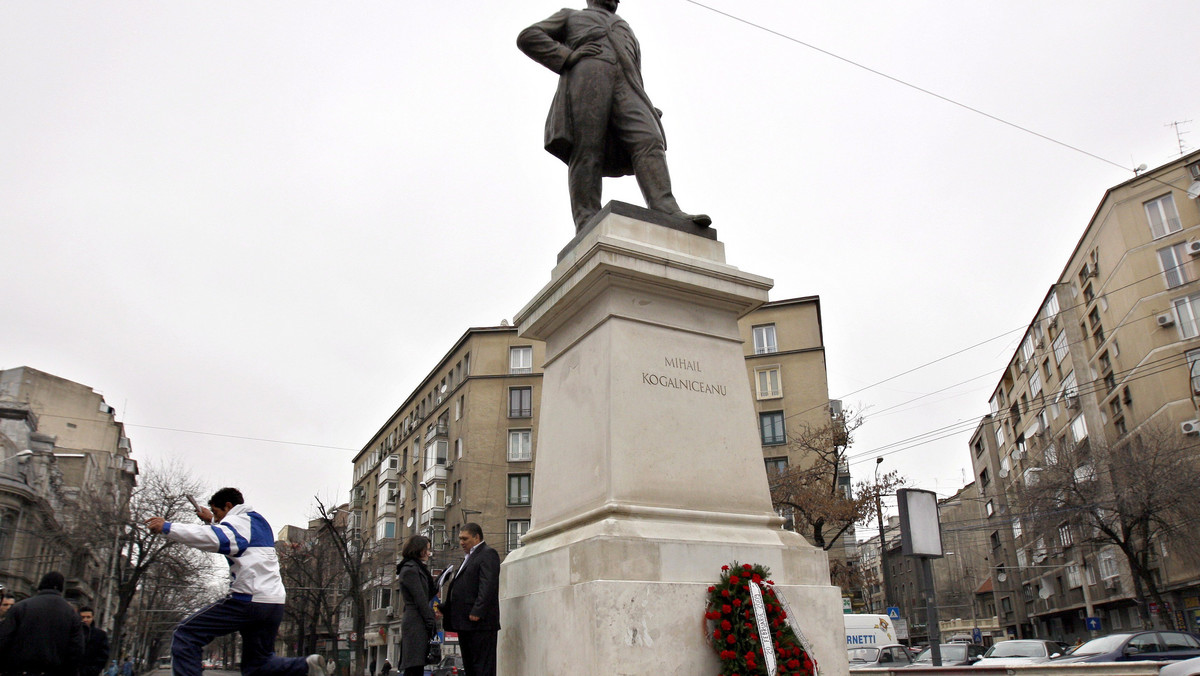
391 492
516 530
1073 577
1068 387
458 445
1108 565
768 384
1064 536
1171 259
1163 217
995 539
386 529
1027 347
8 530
384 597
1016 527
771 425
1035 383
519 486
1051 454
1050 309
520 402
1060 347
520 446
984 478
1187 310
1078 429
990 508
1022 558
435 453
776 465
764 339
999 436
520 359
458 406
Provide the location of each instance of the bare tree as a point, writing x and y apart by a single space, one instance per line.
352 555
816 494
315 577
162 491
1137 495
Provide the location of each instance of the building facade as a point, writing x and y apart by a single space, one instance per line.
463 446
62 449
1109 352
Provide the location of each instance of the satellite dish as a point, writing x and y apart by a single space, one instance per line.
1002 576
1194 190
1003 473
1044 592
410 522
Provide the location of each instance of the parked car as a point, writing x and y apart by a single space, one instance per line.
1128 646
1020 651
953 655
1182 668
451 665
874 657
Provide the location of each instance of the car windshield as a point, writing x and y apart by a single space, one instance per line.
1017 649
862 654
1104 644
950 653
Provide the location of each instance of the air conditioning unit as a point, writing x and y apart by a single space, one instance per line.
1003 473
1088 270
1193 247
1041 344
1072 402
1190 427
1195 169
1111 583
1053 322
1165 319
389 612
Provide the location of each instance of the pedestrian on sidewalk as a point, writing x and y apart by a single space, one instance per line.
42 634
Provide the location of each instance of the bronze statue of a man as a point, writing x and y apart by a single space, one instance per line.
601 122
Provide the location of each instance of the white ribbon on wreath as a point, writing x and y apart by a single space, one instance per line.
791 620
764 628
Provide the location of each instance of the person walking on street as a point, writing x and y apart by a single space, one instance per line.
95 644
417 624
254 606
127 666
472 605
42 634
386 670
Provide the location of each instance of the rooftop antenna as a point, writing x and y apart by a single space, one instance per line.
1179 135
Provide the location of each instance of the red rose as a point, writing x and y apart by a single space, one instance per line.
725 593
733 579
737 603
730 639
726 625
711 615
726 609
711 589
747 566
793 664
723 568
770 581
717 634
756 578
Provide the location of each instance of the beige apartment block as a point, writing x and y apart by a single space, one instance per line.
462 446
62 446
1109 351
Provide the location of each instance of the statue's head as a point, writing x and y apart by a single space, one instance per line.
608 5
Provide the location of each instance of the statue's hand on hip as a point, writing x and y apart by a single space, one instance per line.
585 51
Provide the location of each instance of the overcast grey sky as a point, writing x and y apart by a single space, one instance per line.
270 219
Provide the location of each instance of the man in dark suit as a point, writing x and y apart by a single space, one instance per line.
472 606
95 644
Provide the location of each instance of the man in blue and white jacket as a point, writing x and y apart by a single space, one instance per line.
254 606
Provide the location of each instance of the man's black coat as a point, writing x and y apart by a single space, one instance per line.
42 634
95 651
475 590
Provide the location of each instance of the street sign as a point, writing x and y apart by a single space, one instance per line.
1093 623
901 627
893 612
847 608
977 636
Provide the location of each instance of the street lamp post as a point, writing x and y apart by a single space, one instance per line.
887 580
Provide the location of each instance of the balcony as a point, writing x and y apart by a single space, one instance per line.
357 498
434 514
434 473
386 475
440 429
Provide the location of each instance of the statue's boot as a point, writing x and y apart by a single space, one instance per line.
650 168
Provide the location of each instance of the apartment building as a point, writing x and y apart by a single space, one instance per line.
1109 352
61 443
463 446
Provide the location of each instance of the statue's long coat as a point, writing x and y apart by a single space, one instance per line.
550 42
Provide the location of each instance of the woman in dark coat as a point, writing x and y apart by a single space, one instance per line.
417 625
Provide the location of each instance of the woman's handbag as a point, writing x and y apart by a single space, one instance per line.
434 655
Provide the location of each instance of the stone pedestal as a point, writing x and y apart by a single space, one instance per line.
649 473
